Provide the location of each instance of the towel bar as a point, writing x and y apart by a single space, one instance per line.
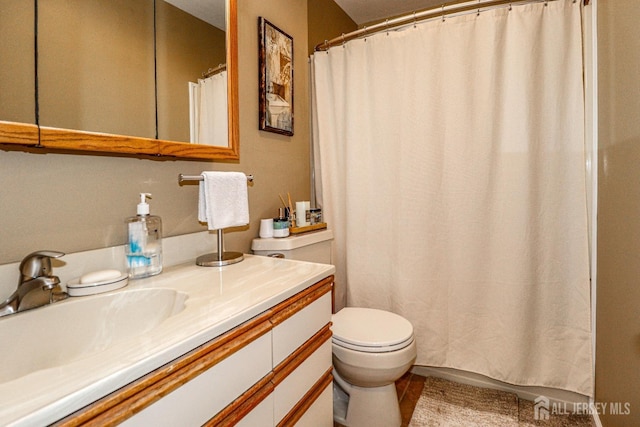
183 177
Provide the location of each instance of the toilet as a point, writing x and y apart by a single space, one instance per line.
371 348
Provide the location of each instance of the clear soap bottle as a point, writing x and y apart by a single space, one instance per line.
144 242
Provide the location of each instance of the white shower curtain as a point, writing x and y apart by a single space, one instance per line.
208 99
452 167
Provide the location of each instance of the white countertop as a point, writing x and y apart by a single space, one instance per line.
219 298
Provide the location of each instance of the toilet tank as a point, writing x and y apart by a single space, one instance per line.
314 246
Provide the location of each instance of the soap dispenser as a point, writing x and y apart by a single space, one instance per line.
144 245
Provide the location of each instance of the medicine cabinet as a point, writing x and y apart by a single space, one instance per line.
84 92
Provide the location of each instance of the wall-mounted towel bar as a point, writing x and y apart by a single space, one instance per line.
183 177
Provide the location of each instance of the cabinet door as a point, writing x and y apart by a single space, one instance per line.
198 400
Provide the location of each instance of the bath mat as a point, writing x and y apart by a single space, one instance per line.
526 418
447 404
443 403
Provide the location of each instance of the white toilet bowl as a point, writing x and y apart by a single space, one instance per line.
371 350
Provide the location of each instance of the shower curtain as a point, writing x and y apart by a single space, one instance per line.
208 110
452 169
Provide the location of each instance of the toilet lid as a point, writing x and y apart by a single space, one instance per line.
371 330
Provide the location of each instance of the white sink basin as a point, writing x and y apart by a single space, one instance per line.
58 334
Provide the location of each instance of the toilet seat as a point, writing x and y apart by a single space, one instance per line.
370 330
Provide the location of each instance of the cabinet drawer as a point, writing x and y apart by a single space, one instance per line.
208 393
260 416
320 413
295 330
297 383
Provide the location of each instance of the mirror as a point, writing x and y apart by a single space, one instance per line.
190 41
132 133
17 80
96 66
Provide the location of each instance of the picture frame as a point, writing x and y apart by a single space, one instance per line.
276 79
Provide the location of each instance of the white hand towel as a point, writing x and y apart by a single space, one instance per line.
223 200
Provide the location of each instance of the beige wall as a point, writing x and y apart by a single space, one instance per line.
72 202
618 299
327 21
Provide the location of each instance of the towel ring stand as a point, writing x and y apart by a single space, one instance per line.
220 258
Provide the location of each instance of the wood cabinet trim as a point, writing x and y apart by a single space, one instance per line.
193 151
134 397
65 139
18 133
307 400
244 404
286 309
295 359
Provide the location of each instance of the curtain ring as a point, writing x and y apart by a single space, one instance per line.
343 40
414 19
510 8
386 25
364 30
443 18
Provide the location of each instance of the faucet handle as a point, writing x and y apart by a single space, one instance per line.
38 264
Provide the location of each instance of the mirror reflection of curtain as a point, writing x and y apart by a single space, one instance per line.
208 111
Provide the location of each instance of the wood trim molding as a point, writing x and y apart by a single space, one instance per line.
233 413
131 399
301 354
65 139
240 407
309 399
18 133
193 151
288 308
233 98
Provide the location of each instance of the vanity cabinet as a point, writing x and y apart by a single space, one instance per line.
274 369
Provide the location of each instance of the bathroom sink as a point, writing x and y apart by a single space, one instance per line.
60 333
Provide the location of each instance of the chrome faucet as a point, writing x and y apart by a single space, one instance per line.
37 285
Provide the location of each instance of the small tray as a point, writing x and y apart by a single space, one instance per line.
77 289
307 228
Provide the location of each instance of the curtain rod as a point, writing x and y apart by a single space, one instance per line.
212 71
452 7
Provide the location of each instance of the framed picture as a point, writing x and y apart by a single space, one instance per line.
276 79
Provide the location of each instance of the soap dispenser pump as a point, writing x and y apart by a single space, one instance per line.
144 244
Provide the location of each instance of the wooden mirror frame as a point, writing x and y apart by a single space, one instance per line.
33 135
